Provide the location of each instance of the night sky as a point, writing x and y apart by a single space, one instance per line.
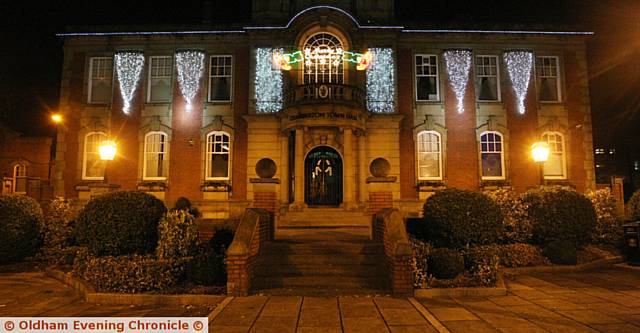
31 56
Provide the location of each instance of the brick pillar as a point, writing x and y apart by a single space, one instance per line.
462 146
405 108
265 195
523 132
380 196
240 135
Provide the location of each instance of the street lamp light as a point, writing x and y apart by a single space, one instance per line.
56 118
107 150
540 153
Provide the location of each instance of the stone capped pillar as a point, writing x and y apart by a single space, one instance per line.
299 169
349 179
362 168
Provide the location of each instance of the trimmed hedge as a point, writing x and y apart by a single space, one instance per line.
178 233
129 274
483 264
634 206
58 227
209 266
561 252
120 223
445 263
517 228
459 218
21 222
560 214
608 229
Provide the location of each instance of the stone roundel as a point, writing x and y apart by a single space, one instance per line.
379 167
266 168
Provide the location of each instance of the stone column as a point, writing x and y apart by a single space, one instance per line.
284 168
348 168
299 169
362 167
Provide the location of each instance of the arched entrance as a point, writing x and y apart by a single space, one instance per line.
323 177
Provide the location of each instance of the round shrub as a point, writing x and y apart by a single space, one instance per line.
445 263
561 252
608 229
183 203
178 234
207 268
459 218
120 223
20 223
58 226
560 214
517 228
483 263
634 206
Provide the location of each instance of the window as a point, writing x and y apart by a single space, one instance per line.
492 156
427 82
218 150
100 80
488 78
548 79
555 166
156 162
92 165
429 156
19 178
160 73
323 59
220 79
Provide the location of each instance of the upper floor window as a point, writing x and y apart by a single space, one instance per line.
220 78
427 78
160 73
429 155
548 79
156 162
217 159
100 80
323 59
555 166
19 178
92 165
492 155
487 78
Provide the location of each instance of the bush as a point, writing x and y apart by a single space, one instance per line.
58 226
560 214
459 218
517 228
129 274
561 252
178 235
483 263
522 255
221 240
608 227
120 223
207 268
182 203
21 222
445 263
634 206
419 260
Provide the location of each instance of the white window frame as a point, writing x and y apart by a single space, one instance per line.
558 79
19 171
544 136
208 154
499 90
502 152
336 77
170 79
211 76
90 80
437 76
439 153
84 156
145 152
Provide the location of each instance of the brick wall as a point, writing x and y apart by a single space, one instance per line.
405 108
389 229
380 200
71 103
240 108
266 200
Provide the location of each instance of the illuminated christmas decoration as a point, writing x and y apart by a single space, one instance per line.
364 61
268 81
190 66
325 56
519 66
128 68
458 64
280 61
381 81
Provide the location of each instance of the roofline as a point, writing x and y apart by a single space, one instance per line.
147 33
510 32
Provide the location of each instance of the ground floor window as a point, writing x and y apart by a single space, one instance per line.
93 166
492 155
555 166
429 155
156 162
217 155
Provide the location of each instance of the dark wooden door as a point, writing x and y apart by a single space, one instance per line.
323 177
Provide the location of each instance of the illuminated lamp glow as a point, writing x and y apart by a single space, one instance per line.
128 68
190 66
458 65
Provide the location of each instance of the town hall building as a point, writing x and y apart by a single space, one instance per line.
331 106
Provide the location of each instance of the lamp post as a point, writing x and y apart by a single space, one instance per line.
107 150
56 118
540 153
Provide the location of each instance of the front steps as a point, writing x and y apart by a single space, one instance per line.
321 262
324 218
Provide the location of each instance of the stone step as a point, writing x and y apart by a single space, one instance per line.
319 259
320 282
322 248
320 291
324 217
286 270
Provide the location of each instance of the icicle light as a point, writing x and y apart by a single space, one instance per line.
458 65
519 66
381 81
190 69
128 68
268 82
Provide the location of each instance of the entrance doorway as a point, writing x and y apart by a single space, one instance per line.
323 177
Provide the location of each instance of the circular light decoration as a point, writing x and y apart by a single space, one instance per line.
458 65
128 68
190 66
519 66
268 81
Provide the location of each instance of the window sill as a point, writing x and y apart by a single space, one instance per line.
559 182
152 185
430 185
422 102
215 186
492 184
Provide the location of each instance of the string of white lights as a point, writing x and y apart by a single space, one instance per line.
519 66
381 81
128 68
458 65
190 66
267 82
